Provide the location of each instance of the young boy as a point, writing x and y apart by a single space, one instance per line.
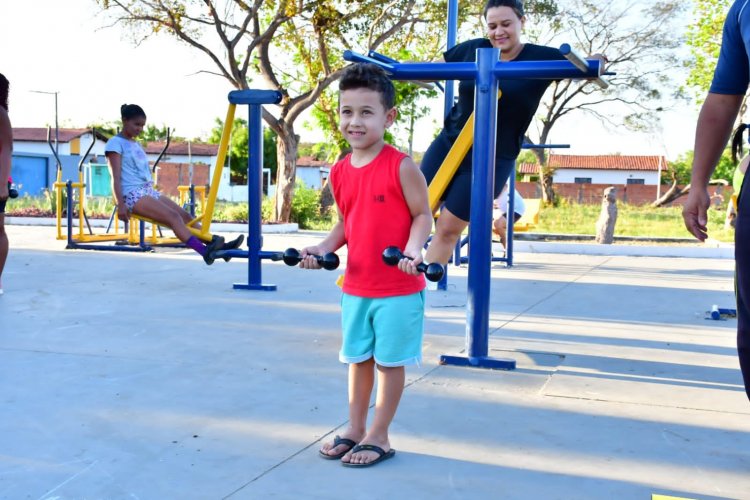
382 201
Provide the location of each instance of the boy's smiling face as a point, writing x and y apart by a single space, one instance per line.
363 118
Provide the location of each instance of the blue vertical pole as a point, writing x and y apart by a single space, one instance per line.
255 199
480 240
510 218
450 43
483 180
448 104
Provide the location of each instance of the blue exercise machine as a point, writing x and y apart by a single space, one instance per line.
254 99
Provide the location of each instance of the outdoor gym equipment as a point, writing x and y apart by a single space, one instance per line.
329 261
486 71
433 271
254 254
77 191
133 239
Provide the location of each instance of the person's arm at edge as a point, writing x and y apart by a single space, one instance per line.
414 187
711 136
6 152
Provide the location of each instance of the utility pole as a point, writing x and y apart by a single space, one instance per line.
57 128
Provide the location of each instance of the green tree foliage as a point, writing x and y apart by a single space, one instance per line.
704 39
238 148
684 163
294 47
640 42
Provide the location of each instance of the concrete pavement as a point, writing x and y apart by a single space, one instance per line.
146 376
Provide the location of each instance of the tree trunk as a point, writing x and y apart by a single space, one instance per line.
286 155
672 194
545 173
548 190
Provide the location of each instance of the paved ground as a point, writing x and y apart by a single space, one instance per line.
145 376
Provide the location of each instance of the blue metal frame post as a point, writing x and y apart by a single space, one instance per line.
483 181
510 218
450 90
254 99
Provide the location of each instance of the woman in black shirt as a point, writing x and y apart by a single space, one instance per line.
518 103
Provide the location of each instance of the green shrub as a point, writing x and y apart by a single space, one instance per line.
236 212
51 196
305 206
267 208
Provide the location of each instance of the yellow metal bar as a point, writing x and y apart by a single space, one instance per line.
81 200
451 162
58 208
216 179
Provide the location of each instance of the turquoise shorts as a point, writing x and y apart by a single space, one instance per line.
388 329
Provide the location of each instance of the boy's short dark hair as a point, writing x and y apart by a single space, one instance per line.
369 76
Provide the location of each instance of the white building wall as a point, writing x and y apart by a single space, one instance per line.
85 142
606 176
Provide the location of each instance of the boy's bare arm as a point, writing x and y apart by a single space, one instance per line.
335 240
336 237
414 186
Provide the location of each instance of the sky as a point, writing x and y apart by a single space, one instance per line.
68 47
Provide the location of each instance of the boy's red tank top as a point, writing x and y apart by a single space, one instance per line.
376 216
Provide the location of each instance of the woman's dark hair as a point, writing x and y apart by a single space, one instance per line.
4 89
130 111
516 5
369 76
737 142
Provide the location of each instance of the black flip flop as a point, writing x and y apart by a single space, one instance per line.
384 455
337 441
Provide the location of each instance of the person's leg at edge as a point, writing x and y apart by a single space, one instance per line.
501 227
742 254
3 248
448 229
361 382
390 388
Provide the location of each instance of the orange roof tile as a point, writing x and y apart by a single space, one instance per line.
39 134
608 162
599 162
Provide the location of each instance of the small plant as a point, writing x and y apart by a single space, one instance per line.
267 208
51 197
305 206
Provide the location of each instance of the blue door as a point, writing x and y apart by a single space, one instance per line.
29 174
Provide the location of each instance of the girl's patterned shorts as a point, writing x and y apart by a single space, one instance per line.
146 190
